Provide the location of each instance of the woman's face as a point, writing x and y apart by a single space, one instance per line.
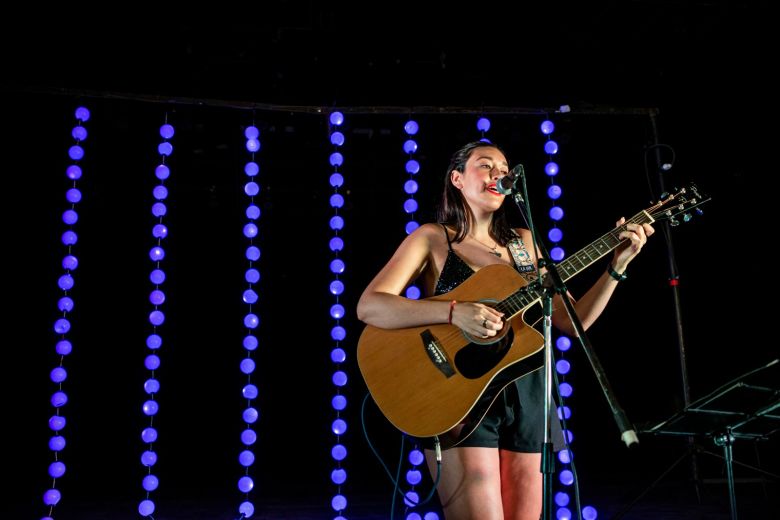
478 182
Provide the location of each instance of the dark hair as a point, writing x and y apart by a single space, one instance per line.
453 210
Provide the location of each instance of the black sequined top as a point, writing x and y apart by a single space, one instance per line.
456 270
454 273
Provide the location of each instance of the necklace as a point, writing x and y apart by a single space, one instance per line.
493 250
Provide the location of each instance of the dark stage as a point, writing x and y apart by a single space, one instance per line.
693 79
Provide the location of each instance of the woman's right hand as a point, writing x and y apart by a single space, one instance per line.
477 319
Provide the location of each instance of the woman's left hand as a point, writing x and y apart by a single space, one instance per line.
637 235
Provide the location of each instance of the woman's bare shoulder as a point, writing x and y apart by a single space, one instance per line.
430 231
431 234
430 227
523 233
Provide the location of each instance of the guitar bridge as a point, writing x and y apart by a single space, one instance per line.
436 354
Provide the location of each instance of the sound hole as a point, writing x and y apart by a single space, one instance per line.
474 361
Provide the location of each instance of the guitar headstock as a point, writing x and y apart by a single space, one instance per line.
682 204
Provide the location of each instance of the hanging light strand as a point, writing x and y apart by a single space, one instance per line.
65 304
411 186
249 391
156 318
337 333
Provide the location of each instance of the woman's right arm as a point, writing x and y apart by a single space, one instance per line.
381 304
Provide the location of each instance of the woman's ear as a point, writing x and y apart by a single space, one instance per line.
456 179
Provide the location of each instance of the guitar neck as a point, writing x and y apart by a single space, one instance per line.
598 248
579 261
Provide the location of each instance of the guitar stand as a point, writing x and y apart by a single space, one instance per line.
747 407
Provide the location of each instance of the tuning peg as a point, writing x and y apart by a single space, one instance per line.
699 211
687 217
673 222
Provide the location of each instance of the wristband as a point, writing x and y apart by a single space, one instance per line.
614 274
452 306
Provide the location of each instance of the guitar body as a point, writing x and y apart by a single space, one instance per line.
437 380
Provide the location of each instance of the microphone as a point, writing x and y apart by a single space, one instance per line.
505 185
508 185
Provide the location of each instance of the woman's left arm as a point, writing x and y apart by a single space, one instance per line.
590 306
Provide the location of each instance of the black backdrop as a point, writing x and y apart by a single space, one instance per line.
705 65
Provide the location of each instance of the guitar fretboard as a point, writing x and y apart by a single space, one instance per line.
531 293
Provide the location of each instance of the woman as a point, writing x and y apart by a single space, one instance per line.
495 472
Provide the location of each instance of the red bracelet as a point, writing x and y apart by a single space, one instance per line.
452 306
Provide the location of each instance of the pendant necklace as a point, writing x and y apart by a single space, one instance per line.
493 250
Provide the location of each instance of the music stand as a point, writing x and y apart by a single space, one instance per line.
747 407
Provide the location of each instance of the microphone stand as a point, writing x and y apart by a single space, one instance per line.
551 284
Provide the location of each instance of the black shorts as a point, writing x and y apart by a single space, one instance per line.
515 420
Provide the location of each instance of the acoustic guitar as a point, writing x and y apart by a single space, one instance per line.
437 380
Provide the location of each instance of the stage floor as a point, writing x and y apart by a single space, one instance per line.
667 501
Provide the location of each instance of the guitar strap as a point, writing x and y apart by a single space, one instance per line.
523 262
447 234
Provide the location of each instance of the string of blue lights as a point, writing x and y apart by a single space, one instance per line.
62 325
337 333
156 318
249 391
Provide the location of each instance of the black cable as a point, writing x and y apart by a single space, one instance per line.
396 479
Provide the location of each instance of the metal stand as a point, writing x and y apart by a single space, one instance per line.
674 284
553 283
674 276
548 458
747 407
548 455
726 440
